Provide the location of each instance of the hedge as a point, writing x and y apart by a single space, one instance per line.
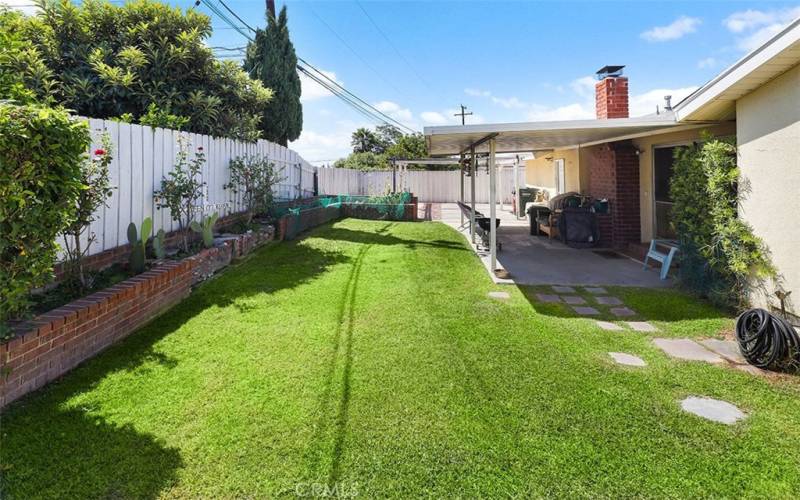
41 153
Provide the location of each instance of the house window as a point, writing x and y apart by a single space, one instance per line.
663 159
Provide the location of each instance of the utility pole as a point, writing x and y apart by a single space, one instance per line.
463 114
271 7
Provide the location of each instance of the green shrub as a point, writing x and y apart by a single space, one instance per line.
42 152
254 177
182 191
721 258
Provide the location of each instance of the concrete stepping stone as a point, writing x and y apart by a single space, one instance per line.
622 312
728 349
627 359
543 297
608 301
563 289
596 290
713 409
641 326
687 349
586 311
607 325
499 295
573 299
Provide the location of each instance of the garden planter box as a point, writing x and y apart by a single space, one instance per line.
53 343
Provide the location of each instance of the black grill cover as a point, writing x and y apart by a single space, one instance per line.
578 227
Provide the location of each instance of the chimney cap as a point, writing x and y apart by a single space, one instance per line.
609 72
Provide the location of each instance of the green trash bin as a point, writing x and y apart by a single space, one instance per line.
526 195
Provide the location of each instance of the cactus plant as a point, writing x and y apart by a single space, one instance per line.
160 245
206 229
137 256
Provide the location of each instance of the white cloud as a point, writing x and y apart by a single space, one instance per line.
673 31
477 92
394 110
757 26
434 118
584 86
312 90
708 62
574 111
24 6
645 104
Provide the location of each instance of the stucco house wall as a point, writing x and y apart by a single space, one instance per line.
540 172
768 134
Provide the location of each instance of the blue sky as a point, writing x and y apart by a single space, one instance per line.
507 61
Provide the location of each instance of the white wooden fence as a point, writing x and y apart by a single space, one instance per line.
143 156
429 186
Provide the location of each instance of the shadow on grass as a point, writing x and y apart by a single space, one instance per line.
381 238
648 304
103 460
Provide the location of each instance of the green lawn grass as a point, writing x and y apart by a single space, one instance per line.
368 355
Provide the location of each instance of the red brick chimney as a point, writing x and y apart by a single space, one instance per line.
611 93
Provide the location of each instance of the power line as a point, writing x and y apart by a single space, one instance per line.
351 49
234 14
322 79
394 47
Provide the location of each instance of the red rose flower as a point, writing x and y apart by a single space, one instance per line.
200 148
99 152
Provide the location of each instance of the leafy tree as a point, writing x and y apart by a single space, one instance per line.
365 140
363 161
24 77
254 177
272 60
109 60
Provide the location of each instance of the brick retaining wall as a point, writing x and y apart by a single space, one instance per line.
55 342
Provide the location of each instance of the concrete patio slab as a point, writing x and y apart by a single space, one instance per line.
536 260
563 289
622 312
607 325
596 290
573 299
641 326
608 301
713 409
728 349
586 311
499 295
627 359
687 349
752 370
544 297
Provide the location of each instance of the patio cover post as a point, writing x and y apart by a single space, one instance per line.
461 176
516 186
492 204
500 181
472 168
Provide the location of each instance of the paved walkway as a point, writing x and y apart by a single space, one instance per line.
536 260
718 352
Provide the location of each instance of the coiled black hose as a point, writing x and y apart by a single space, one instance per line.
767 341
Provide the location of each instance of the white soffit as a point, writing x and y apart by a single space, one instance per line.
716 100
533 136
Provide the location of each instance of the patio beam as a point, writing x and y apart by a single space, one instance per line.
472 147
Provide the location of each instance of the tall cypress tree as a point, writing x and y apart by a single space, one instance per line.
271 59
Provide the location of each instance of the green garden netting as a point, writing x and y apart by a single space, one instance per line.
386 207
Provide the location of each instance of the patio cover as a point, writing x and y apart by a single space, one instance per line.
537 136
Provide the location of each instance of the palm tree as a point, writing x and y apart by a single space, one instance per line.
363 140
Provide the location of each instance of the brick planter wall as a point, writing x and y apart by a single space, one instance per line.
55 342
